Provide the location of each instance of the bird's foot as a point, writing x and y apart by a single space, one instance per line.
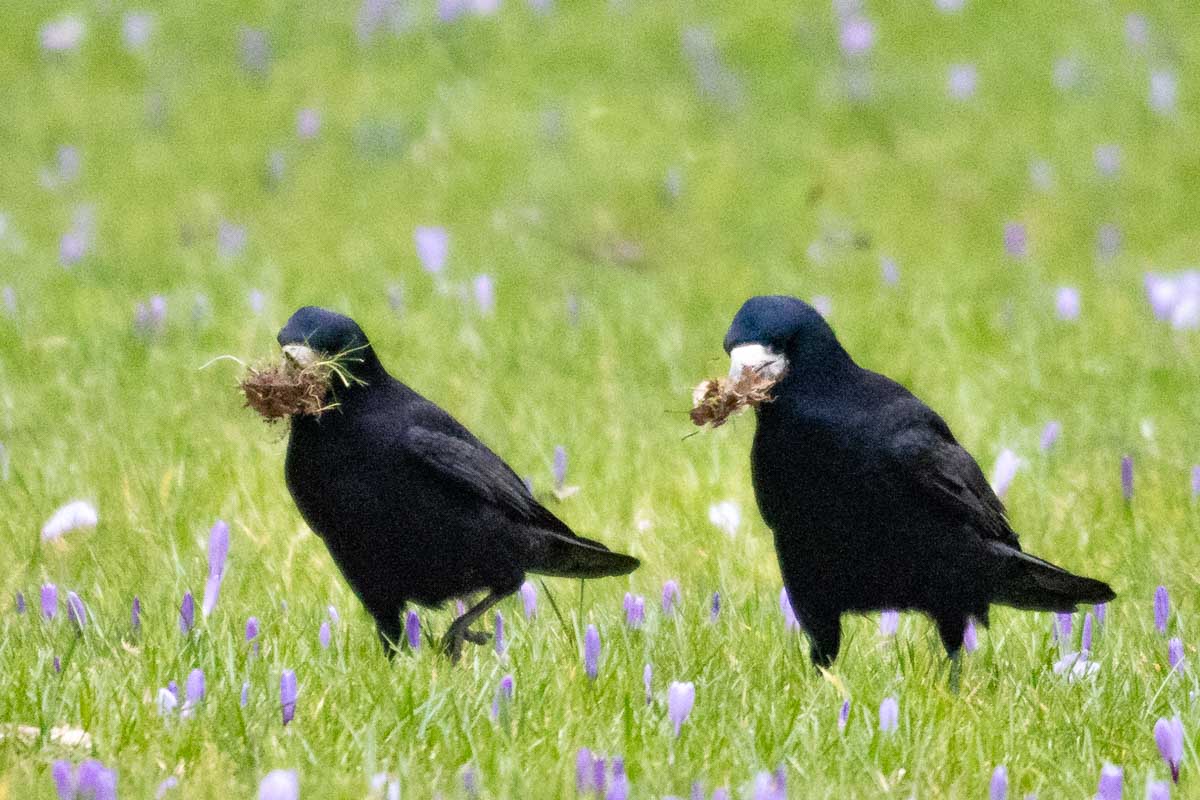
477 637
452 642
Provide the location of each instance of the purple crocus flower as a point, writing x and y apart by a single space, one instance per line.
889 715
1108 241
167 785
1196 481
1168 735
591 652
1127 478
504 695
970 636
63 774
843 715
681 697
714 609
560 466
1111 786
433 246
484 287
1137 30
1050 434
194 688
76 612
308 124
768 787
1085 638
57 665
1067 303
334 617
790 621
962 81
670 597
187 614
598 774
648 682
49 600
173 688
218 549
244 698
167 701
135 614
62 35
1101 610
1108 159
1063 627
1175 652
583 771
998 788
252 633
324 635
136 29
890 270
635 610
20 602
231 240
1162 609
94 781
1007 464
498 636
280 784
1016 240
1164 88
287 695
857 36
618 787
889 621
1158 790
529 599
254 49
412 629
76 515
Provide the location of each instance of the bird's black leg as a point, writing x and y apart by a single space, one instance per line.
459 629
824 637
951 630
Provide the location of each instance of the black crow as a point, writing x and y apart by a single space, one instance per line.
410 504
872 502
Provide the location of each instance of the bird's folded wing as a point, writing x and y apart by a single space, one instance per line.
475 468
928 453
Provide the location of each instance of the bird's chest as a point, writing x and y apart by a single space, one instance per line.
333 474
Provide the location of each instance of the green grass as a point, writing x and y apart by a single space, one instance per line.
542 144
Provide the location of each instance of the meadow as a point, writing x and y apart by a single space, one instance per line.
994 204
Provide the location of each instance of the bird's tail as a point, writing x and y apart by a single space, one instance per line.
563 556
1028 582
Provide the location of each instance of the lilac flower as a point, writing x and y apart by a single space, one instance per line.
280 784
254 50
324 635
1050 434
1041 175
681 697
998 788
1108 240
187 614
889 621
560 466
167 785
504 695
1175 653
1108 159
1004 471
1127 478
287 694
69 162
889 715
1168 735
1063 627
823 304
790 622
231 240
1067 303
1162 608
173 688
857 36
62 35
843 715
92 781
726 516
529 599
970 636
64 779
252 633
76 242
591 652
670 597
194 688
1195 481
256 300
1085 637
1016 240
890 271
76 612
584 771
412 629
244 698
1101 610
961 81
1163 90
1076 666
308 124
1158 790
57 665
76 515
136 29
485 293
135 615
20 599
498 636
1137 30
618 787
433 246
648 682
767 786
1066 73
714 608
49 600
598 773
635 610
1111 780
166 701
150 317
218 549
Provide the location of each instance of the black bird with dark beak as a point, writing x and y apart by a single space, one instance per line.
413 507
873 503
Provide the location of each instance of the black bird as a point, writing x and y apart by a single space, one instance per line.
872 502
410 504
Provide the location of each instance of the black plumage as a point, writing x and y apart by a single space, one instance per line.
413 507
872 501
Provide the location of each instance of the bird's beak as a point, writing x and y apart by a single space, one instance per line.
761 359
300 355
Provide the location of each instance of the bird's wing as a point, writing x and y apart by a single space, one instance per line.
927 452
458 456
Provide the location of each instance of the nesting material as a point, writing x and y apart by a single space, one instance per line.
284 389
717 399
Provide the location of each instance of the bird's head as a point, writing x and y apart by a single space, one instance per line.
316 334
775 334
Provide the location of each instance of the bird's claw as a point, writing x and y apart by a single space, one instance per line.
452 642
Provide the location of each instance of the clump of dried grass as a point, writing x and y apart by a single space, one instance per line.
717 399
282 389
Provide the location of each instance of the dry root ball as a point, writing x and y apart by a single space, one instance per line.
285 389
717 399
